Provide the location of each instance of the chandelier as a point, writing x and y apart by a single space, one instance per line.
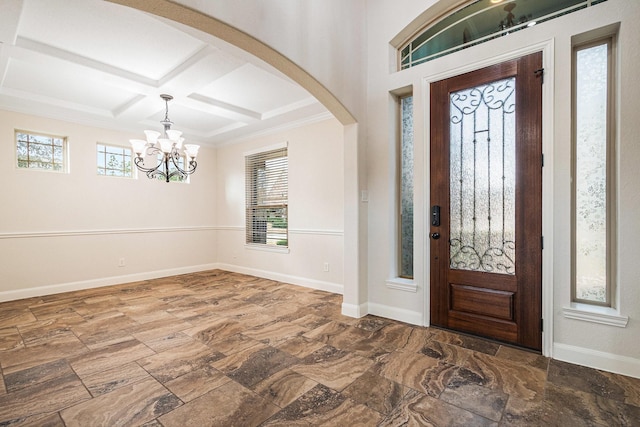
165 148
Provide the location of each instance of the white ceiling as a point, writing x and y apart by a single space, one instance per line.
101 64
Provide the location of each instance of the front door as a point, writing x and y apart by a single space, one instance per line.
486 202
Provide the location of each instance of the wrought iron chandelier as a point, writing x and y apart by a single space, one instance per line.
165 148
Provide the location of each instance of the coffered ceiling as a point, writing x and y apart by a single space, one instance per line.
102 64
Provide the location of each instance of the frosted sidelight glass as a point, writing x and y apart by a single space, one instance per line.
591 174
406 189
482 178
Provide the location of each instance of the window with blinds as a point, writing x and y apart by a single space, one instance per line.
267 194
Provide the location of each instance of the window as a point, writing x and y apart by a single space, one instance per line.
267 187
114 161
593 163
406 188
480 21
46 152
172 169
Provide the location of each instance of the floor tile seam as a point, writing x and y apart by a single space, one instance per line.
451 404
66 360
338 392
182 402
594 394
408 389
100 346
508 363
474 412
21 340
59 410
572 387
113 367
2 376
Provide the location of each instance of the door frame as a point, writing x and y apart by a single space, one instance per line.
547 49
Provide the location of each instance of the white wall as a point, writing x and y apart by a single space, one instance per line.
602 346
326 38
69 231
316 208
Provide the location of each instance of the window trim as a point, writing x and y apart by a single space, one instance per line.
65 151
608 36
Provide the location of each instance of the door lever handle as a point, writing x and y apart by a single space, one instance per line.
435 236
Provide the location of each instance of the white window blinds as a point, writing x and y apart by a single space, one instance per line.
267 195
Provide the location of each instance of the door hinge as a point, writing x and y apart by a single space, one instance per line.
542 242
541 325
540 73
542 159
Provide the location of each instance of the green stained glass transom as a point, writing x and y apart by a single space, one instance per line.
481 21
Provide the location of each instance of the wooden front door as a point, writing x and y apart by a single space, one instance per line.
486 202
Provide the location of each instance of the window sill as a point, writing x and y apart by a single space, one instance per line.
401 284
268 248
589 313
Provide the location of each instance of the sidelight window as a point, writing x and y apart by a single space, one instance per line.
593 190
406 188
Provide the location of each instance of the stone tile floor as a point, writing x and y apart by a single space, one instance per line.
225 349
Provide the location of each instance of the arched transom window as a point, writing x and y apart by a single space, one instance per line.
480 21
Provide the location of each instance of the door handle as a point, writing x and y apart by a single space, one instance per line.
435 236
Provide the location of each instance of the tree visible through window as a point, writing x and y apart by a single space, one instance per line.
267 188
172 168
114 161
46 152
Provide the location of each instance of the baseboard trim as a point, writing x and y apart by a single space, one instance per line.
395 313
353 310
38 291
609 362
75 233
335 288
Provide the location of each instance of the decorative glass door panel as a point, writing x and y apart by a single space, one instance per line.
486 202
482 178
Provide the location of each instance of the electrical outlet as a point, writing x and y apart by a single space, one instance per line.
121 262
325 267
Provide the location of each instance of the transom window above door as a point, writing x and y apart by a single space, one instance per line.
479 21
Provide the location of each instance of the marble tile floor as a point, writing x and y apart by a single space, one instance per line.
224 349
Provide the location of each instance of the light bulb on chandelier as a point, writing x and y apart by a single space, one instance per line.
168 144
